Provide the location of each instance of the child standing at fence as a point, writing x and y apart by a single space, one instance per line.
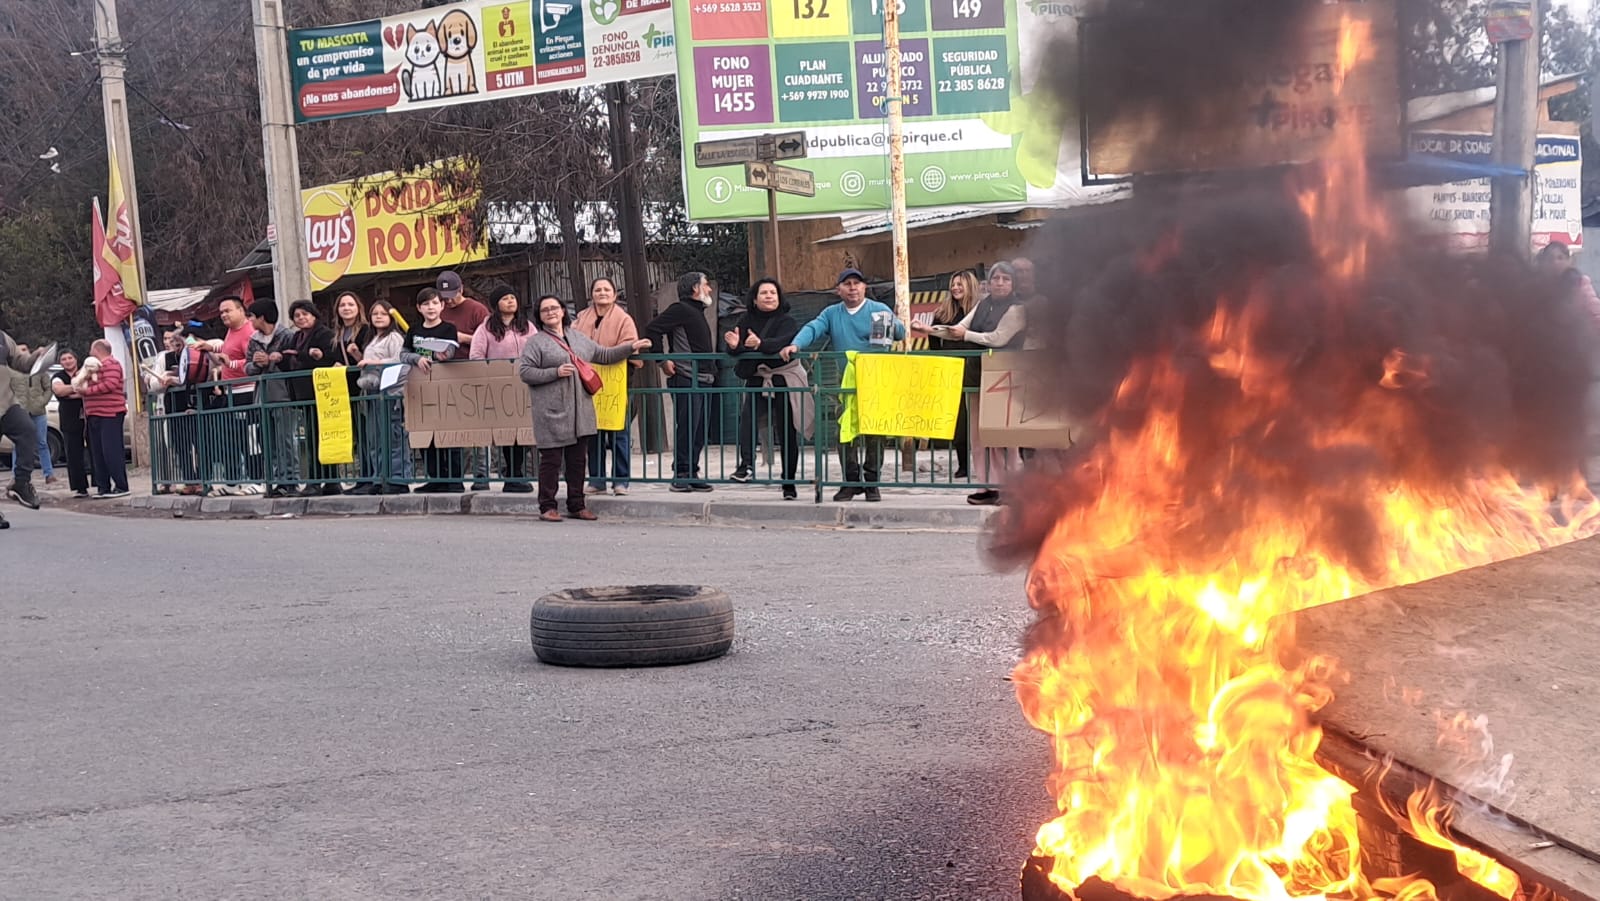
387 450
438 341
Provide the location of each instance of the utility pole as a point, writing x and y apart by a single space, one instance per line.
897 163
291 271
630 221
1516 127
113 60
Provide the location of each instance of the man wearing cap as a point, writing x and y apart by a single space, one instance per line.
844 326
464 315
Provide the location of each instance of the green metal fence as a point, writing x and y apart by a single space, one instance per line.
230 438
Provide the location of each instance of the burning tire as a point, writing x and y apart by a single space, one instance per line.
632 625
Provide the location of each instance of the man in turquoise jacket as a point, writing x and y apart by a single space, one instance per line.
859 324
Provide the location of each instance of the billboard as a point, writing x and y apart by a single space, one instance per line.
1458 212
473 51
392 223
1291 110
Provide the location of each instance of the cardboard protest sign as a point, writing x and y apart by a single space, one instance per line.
907 396
611 404
1011 410
336 440
471 403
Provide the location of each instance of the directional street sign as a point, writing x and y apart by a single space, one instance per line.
780 178
733 151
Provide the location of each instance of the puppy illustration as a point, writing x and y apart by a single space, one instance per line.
424 80
460 36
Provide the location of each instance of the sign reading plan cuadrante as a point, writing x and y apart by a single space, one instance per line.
474 51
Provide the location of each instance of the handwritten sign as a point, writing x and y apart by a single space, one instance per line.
471 403
611 404
336 440
908 396
1011 410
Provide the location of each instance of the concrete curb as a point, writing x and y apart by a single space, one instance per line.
801 513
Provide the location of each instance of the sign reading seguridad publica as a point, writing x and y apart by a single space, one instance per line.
392 223
476 50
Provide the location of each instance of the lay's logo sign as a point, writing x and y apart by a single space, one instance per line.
394 224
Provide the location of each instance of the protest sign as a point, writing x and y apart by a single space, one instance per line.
472 403
336 441
611 404
1011 408
907 396
477 50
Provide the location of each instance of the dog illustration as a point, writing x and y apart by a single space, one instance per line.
460 36
424 80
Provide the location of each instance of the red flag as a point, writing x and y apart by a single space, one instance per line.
111 305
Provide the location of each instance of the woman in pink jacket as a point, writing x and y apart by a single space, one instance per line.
501 337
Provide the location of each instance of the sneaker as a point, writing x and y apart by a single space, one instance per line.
742 474
50 480
480 486
550 516
680 487
585 515
249 490
113 494
23 493
620 490
596 487
845 494
80 495
396 488
871 495
701 486
517 488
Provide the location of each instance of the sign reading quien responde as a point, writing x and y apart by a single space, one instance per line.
472 51
769 65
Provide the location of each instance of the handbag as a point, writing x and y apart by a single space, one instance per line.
591 380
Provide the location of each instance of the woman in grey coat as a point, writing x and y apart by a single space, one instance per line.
563 412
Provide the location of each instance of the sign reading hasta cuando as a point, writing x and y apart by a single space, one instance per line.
908 396
472 403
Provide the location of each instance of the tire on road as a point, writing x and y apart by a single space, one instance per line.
632 625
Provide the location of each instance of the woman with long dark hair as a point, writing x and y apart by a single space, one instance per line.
502 337
555 365
311 348
765 329
351 333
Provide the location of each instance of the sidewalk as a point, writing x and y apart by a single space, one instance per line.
918 508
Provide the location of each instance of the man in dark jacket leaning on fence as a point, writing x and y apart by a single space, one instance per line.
266 357
682 329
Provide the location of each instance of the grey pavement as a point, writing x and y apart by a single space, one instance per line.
350 708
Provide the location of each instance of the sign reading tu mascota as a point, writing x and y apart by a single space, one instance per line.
473 51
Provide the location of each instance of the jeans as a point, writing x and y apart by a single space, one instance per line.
620 444
107 451
41 424
862 458
16 424
388 454
283 453
689 435
552 460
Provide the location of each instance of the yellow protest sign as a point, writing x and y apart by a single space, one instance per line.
908 396
336 440
611 404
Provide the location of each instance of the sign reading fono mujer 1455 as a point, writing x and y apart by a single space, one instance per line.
473 51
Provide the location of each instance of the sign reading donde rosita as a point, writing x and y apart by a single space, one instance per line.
477 50
392 223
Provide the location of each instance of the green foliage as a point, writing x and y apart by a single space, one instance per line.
44 266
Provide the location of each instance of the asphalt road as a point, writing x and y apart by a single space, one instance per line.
350 709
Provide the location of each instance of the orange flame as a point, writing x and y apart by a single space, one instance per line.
1184 749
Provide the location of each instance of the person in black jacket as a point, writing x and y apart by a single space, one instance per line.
765 329
313 348
682 329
